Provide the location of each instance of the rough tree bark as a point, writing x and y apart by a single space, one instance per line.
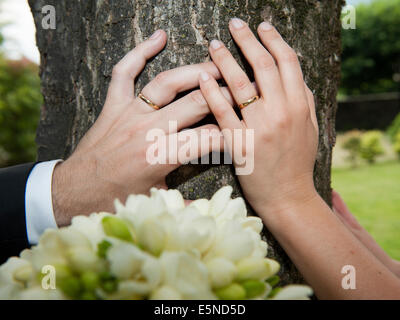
91 36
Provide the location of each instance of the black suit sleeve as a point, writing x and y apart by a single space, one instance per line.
13 236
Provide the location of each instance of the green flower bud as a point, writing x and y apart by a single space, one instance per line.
233 291
102 248
108 282
274 292
117 228
62 271
253 288
88 295
274 280
90 280
71 286
110 286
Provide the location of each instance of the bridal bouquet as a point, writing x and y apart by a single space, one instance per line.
151 248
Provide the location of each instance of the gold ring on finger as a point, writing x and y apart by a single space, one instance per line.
250 101
148 101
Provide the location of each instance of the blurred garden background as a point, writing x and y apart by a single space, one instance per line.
366 158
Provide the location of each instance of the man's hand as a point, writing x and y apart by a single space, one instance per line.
110 161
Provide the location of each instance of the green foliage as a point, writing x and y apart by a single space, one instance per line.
371 145
394 128
372 194
20 101
352 143
396 144
371 52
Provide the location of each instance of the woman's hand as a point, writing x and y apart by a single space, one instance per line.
283 118
281 188
343 213
110 161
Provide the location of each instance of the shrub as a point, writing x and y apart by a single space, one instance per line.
396 145
352 144
394 128
20 101
371 145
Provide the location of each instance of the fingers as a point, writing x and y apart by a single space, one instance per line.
125 71
188 110
311 104
286 58
344 213
237 80
195 143
165 86
265 70
209 139
219 106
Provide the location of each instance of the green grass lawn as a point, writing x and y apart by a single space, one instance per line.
373 195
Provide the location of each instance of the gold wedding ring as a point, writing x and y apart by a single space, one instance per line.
148 101
246 103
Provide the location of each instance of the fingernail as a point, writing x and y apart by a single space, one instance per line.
215 44
237 23
204 76
155 35
265 26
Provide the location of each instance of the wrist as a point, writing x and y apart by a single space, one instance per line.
59 185
292 202
287 195
73 189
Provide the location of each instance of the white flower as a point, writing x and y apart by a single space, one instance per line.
10 287
153 247
187 275
38 293
166 293
221 272
126 260
90 226
232 242
294 292
254 268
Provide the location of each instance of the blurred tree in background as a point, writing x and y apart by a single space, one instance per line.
20 101
371 52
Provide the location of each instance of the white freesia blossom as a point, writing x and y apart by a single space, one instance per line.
294 292
152 248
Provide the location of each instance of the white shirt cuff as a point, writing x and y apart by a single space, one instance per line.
39 213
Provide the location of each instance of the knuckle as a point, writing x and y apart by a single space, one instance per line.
197 97
219 111
304 109
117 70
241 82
289 56
161 79
283 121
266 136
265 62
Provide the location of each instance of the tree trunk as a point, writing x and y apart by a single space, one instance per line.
91 36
